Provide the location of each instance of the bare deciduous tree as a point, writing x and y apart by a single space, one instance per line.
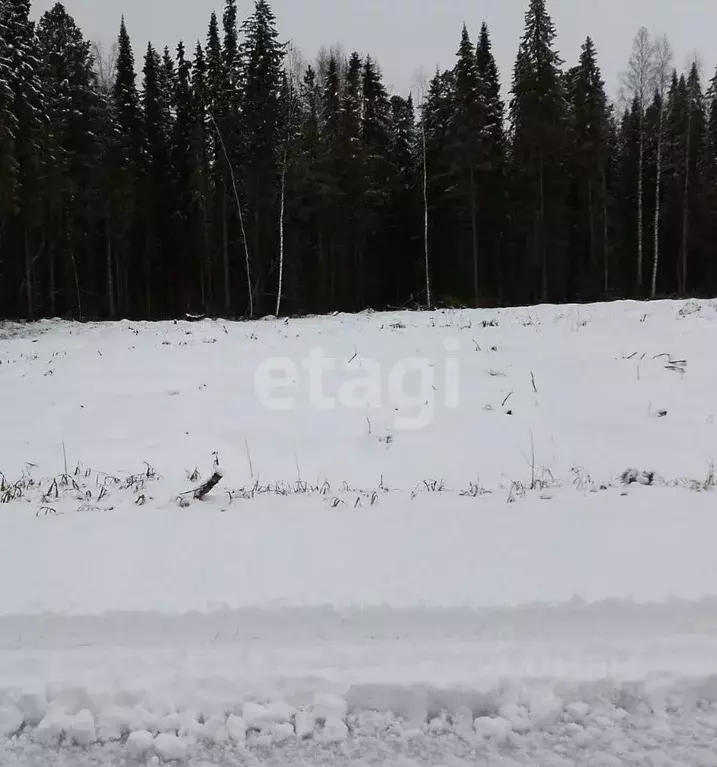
662 58
240 215
325 55
638 81
420 85
294 62
294 65
693 95
105 65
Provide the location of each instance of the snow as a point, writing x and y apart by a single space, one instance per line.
236 728
170 747
508 555
11 720
81 729
493 728
139 742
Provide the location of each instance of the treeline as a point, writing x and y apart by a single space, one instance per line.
231 180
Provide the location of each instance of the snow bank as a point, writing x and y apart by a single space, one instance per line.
433 551
535 562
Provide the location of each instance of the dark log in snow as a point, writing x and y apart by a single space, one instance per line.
208 486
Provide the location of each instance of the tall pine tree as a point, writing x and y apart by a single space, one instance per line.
538 121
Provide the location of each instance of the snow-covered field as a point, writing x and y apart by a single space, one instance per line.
478 537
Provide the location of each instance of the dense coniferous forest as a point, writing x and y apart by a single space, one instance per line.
227 178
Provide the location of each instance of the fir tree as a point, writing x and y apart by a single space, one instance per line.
711 186
467 132
436 116
376 142
492 195
22 229
124 167
201 153
157 129
262 58
72 161
589 120
538 123
401 274
184 223
8 129
331 232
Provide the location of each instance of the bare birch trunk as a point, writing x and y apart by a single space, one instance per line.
639 79
282 210
474 230
429 299
685 204
109 266
658 190
77 283
241 218
640 213
28 279
591 214
53 286
662 56
225 252
606 238
543 249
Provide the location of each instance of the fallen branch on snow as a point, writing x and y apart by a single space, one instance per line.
208 486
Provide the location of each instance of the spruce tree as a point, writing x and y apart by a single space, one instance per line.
308 212
467 133
331 232
125 169
157 127
538 121
351 180
29 119
219 160
710 258
685 211
8 162
492 193
376 142
589 121
402 276
262 59
201 154
230 54
627 195
436 116
72 162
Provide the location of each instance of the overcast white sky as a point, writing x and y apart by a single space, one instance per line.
405 35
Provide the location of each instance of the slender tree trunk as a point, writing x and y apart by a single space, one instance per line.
28 278
685 205
640 209
543 249
53 286
241 219
429 299
75 273
591 216
225 252
148 281
658 190
282 210
257 254
204 262
109 267
606 236
474 231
